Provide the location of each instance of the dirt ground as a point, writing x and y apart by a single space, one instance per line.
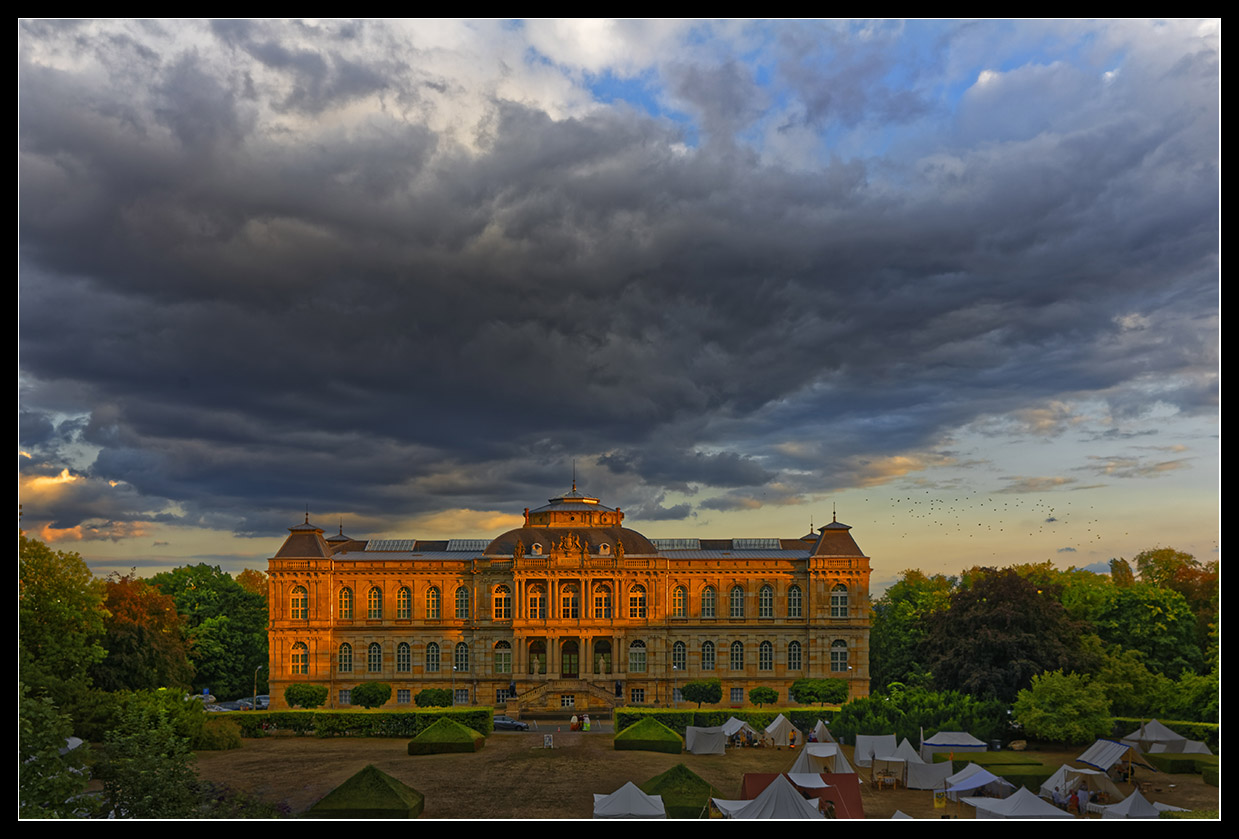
514 777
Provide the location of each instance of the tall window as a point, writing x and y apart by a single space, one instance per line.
737 655
374 604
765 602
299 604
462 603
345 602
707 655
636 657
839 657
602 603
679 656
404 603
793 655
503 603
537 603
346 658
709 602
737 602
433 601
300 659
679 604
636 602
461 661
570 602
432 657
839 601
795 601
374 658
404 658
537 658
765 656
503 657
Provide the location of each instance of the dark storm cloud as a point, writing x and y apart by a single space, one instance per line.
266 303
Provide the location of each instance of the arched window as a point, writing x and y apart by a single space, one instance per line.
737 655
765 656
795 602
679 656
602 602
404 603
404 658
345 604
737 602
707 655
636 657
462 603
374 658
300 661
537 658
709 602
679 602
839 657
503 657
461 660
432 657
433 601
793 655
839 601
299 604
765 602
503 603
374 604
570 601
346 658
636 603
537 603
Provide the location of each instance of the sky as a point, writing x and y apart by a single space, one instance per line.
953 283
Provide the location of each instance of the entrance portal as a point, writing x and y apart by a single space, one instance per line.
570 658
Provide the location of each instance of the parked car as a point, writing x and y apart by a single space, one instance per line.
504 723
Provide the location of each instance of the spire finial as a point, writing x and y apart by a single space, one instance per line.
574 474
834 517
307 513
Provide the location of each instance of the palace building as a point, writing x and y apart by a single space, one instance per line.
572 612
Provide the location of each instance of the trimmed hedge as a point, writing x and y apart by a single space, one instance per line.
1182 764
649 735
359 723
219 733
685 794
446 736
804 718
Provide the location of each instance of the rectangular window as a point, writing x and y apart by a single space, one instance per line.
502 695
676 695
503 661
404 697
346 697
461 697
567 700
636 660
638 695
737 695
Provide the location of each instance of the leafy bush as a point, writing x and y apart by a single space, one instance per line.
763 696
219 734
305 695
433 698
685 795
905 712
649 735
820 691
1063 708
709 691
371 694
148 771
446 736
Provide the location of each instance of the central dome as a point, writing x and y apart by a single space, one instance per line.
572 519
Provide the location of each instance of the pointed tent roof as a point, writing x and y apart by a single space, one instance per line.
1105 753
629 802
1021 804
1134 806
780 800
820 757
1153 732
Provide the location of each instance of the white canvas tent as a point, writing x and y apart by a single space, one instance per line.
1134 806
870 745
1105 753
821 757
973 778
898 762
1153 732
733 725
705 741
780 800
1021 804
822 733
1068 779
629 802
927 775
950 741
781 731
1186 747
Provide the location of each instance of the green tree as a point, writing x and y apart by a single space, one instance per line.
709 691
1120 572
371 694
1063 708
998 634
61 621
226 627
47 780
148 772
898 628
143 638
1157 623
820 691
907 711
301 694
760 696
433 698
1131 688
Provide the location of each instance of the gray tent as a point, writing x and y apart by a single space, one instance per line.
629 802
1021 804
780 800
869 746
705 741
1134 806
973 778
950 741
820 757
